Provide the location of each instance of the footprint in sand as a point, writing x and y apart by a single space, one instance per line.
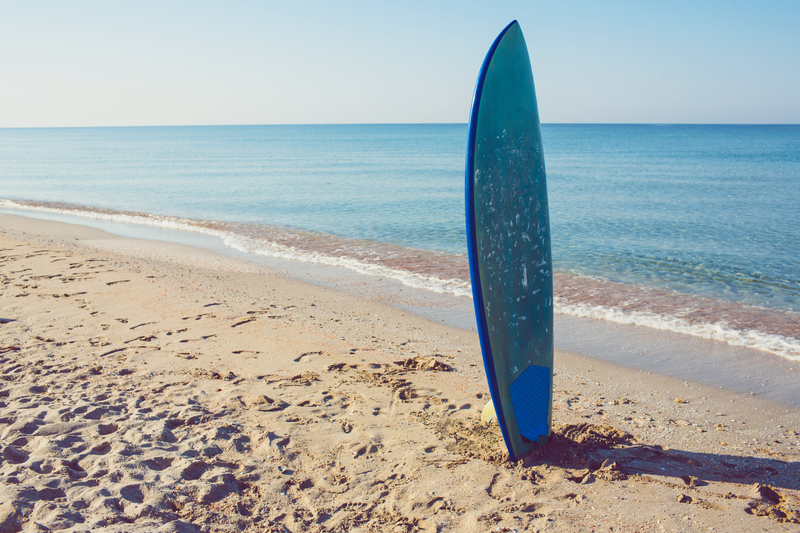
306 355
100 449
277 442
262 402
106 429
132 493
14 455
367 450
195 470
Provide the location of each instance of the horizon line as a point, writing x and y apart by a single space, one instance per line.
401 124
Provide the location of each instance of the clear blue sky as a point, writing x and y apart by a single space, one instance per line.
246 62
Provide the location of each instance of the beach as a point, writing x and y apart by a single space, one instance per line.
149 386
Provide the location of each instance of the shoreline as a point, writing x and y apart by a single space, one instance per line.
678 355
163 386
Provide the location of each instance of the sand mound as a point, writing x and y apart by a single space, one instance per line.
595 436
424 363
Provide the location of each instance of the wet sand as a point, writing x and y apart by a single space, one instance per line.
149 386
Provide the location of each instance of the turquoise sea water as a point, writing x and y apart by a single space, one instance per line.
689 228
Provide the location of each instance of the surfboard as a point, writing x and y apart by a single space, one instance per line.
508 237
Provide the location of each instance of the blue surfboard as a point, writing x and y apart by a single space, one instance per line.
508 234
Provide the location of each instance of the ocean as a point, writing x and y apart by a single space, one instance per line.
692 229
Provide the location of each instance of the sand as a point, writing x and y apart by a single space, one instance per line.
153 387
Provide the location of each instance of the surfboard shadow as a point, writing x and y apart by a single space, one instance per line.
604 452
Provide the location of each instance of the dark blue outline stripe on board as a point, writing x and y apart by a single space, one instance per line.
472 245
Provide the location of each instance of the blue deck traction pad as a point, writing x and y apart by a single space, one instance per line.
530 399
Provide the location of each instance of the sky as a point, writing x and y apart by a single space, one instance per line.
100 63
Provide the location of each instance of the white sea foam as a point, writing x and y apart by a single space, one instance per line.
160 221
262 247
410 279
719 331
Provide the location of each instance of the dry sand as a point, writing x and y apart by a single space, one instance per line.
151 387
